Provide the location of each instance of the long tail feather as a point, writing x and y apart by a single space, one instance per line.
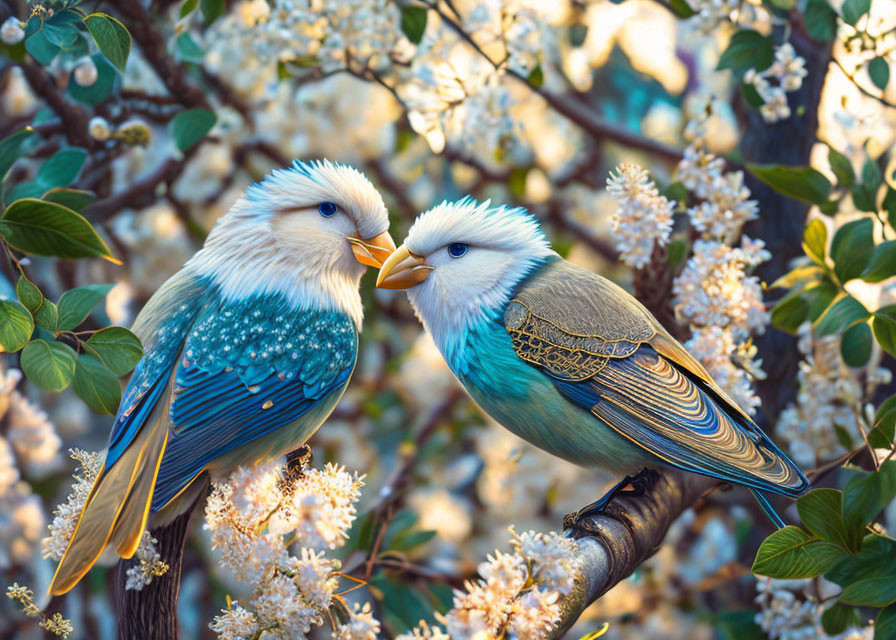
117 508
768 509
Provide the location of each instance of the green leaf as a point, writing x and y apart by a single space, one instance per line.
878 591
820 513
49 365
61 28
211 10
111 37
49 229
536 77
11 149
16 325
680 8
413 22
188 7
106 80
879 71
62 167
883 263
188 50
863 198
747 49
74 199
820 298
884 325
190 126
677 251
882 435
738 625
885 624
409 539
871 176
47 317
889 205
75 304
96 385
792 553
801 183
790 313
838 618
866 495
119 349
842 168
840 315
851 248
751 95
40 47
821 20
28 294
852 10
877 556
815 241
856 344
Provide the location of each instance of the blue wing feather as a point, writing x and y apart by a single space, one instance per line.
243 376
659 407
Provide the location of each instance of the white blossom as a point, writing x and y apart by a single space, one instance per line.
644 217
784 75
11 31
149 564
86 73
65 516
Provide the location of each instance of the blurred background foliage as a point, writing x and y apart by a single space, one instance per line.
128 128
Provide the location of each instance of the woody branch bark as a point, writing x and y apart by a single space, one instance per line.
625 535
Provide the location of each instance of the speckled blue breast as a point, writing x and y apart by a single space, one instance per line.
241 370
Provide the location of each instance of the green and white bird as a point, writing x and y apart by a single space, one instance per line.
568 360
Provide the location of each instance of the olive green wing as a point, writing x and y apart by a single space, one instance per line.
605 352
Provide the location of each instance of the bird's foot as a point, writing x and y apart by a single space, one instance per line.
298 460
639 485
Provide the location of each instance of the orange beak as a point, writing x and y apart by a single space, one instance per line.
374 251
402 270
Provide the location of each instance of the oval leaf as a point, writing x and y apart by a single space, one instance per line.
840 315
883 263
801 183
821 513
75 304
49 365
852 247
815 241
96 385
49 229
28 294
11 149
47 317
16 325
111 37
118 349
190 126
792 553
855 346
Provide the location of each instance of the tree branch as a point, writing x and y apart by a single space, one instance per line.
625 535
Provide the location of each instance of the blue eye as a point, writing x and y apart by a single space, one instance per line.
457 249
326 209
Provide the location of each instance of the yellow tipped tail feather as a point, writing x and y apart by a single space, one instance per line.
117 509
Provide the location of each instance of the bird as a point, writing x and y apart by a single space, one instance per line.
247 350
571 362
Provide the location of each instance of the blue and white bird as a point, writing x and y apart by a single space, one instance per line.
247 350
570 361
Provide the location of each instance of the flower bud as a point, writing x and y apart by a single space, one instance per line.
85 72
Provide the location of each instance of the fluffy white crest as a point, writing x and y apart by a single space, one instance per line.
274 240
503 245
475 223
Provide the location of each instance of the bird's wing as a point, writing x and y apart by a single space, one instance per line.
247 369
606 352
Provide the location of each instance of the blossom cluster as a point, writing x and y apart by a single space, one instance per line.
28 445
828 400
773 84
789 610
55 624
643 219
272 526
715 293
517 595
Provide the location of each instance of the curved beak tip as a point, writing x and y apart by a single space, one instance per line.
374 251
402 270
